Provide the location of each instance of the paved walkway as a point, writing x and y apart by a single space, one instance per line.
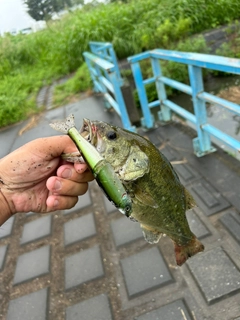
91 263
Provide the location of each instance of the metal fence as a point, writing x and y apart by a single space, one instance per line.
195 62
106 77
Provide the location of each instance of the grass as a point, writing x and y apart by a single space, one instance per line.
28 62
66 92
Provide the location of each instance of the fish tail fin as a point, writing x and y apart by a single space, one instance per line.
190 202
151 236
64 126
183 252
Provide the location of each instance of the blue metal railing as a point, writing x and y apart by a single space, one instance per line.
202 144
105 51
106 78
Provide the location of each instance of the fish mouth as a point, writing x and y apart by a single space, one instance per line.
89 131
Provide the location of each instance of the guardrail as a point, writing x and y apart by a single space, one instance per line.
104 50
107 79
195 62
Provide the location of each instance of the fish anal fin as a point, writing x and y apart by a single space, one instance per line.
183 252
151 236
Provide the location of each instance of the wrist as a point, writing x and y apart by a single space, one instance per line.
5 211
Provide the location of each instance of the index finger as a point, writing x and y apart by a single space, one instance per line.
52 147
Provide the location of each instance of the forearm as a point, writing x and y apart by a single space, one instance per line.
5 212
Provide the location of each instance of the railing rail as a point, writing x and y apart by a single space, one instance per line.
105 51
195 62
106 80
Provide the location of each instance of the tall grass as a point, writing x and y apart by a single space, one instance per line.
27 62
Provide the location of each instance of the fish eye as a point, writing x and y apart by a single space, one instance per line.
111 135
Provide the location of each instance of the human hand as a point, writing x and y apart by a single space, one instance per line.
35 178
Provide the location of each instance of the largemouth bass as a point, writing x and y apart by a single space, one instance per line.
159 200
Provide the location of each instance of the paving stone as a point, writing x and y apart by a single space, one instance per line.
154 136
196 225
41 130
186 173
93 109
7 137
83 201
83 266
95 308
36 229
32 264
108 205
33 306
42 96
79 229
172 311
145 271
125 231
215 273
6 228
170 153
231 221
3 251
208 198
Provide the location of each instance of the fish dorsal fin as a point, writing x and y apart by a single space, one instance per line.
190 202
136 165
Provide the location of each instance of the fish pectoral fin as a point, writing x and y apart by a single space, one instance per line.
144 198
150 236
136 165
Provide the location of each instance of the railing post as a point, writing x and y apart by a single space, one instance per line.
98 86
201 144
165 113
93 77
120 101
148 120
114 61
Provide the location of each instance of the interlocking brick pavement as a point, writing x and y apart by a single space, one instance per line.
92 263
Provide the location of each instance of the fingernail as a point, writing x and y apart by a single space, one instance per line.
57 185
67 173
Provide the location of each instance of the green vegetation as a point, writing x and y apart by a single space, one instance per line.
232 47
80 82
27 62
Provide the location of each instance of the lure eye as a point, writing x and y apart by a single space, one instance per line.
111 135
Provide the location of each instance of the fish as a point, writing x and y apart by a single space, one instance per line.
159 200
